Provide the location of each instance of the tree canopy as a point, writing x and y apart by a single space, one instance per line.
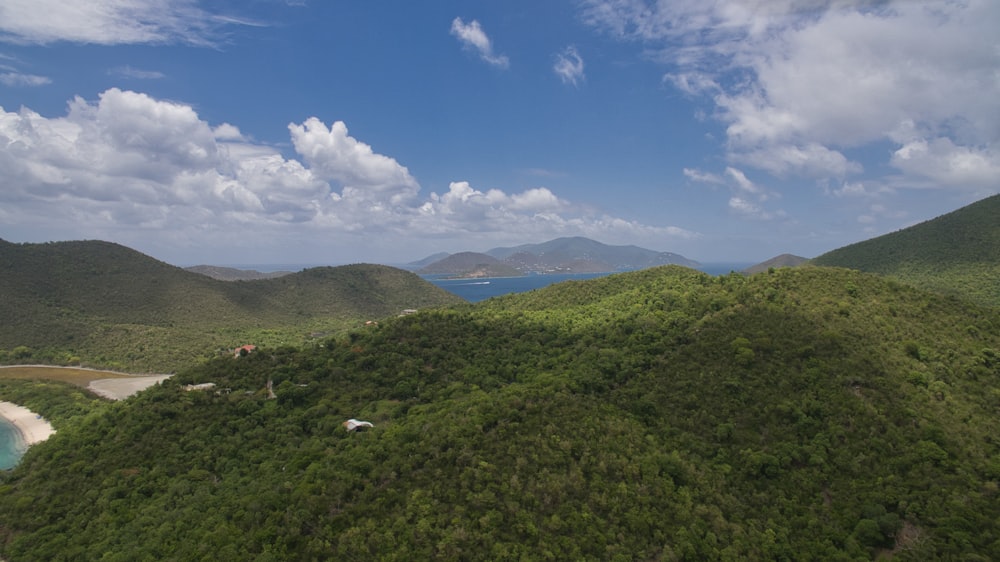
798 414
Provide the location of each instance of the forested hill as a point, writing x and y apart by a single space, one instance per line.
957 253
799 414
108 305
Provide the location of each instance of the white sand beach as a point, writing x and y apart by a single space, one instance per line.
32 427
122 387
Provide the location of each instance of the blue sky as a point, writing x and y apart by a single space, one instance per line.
329 132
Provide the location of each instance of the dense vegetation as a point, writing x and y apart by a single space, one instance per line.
102 304
798 414
957 253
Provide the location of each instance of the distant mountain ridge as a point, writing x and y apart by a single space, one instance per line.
234 274
108 305
470 265
784 260
571 255
956 253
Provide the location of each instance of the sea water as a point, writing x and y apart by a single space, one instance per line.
11 445
475 290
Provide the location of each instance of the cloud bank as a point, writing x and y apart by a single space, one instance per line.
109 22
799 85
128 166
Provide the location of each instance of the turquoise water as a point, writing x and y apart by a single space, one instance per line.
11 447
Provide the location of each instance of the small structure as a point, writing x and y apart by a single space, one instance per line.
357 425
244 350
202 386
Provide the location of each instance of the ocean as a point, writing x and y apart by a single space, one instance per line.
475 290
11 447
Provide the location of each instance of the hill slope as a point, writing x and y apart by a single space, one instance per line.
957 253
806 414
112 306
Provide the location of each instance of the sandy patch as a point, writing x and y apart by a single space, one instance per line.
32 427
122 388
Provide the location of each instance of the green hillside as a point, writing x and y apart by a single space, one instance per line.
799 414
957 253
107 305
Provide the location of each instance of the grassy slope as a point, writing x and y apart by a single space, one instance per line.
957 253
808 413
112 306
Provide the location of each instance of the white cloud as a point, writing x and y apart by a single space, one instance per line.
747 198
693 83
334 155
472 36
944 163
152 173
812 159
137 73
14 79
108 22
703 177
227 132
569 66
851 189
742 182
798 83
748 209
536 214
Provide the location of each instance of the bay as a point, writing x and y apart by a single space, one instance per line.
11 447
475 290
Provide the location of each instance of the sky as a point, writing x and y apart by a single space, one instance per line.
331 132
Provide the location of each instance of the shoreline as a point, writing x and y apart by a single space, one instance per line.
30 427
78 368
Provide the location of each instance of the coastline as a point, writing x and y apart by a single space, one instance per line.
31 427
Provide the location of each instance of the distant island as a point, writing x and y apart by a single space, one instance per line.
234 274
562 255
784 260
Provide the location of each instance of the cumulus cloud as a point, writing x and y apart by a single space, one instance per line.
129 166
569 66
943 162
798 84
108 22
334 155
472 36
535 214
